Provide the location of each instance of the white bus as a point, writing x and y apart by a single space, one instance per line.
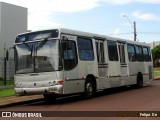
62 61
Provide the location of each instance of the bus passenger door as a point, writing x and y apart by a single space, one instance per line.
113 64
102 65
71 82
123 64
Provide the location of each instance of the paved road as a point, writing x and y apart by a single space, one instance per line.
119 99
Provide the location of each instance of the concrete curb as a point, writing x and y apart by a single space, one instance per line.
157 78
19 100
7 86
20 103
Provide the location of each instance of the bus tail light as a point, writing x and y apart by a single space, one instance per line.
60 82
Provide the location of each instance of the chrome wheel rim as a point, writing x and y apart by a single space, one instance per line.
89 89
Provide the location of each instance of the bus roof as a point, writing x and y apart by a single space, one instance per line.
91 35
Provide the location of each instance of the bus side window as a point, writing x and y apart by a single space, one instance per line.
147 54
112 51
131 53
85 49
97 51
139 53
69 54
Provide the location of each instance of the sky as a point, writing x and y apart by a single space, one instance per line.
107 17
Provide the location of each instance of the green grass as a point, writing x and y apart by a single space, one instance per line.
156 71
7 92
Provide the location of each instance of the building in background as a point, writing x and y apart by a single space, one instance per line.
13 20
154 44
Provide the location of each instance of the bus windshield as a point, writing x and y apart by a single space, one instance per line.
38 56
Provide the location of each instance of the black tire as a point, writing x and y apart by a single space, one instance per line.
49 97
139 81
90 88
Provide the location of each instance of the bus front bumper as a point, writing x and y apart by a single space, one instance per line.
58 89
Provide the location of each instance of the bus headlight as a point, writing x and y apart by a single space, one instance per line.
53 83
18 85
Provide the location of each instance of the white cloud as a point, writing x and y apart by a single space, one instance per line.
146 16
149 1
116 32
118 2
41 12
122 2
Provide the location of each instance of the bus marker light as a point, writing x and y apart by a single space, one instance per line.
66 78
96 77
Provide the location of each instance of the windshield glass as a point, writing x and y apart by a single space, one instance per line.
41 56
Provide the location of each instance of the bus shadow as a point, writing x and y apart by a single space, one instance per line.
115 90
77 97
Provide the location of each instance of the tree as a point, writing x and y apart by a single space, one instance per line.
156 55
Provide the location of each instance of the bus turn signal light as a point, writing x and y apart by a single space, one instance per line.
60 82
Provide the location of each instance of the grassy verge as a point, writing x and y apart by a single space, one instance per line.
7 92
156 71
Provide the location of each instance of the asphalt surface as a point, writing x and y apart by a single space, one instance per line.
129 99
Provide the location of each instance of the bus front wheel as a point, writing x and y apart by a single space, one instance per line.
89 88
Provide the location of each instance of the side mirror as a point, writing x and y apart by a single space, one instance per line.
7 54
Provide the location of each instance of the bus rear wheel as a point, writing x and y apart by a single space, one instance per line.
139 81
89 88
49 97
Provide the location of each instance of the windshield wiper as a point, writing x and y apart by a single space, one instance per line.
41 44
27 46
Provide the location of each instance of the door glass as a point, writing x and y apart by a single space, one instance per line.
122 53
100 51
69 55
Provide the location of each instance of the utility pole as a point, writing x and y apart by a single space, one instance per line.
135 33
133 25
